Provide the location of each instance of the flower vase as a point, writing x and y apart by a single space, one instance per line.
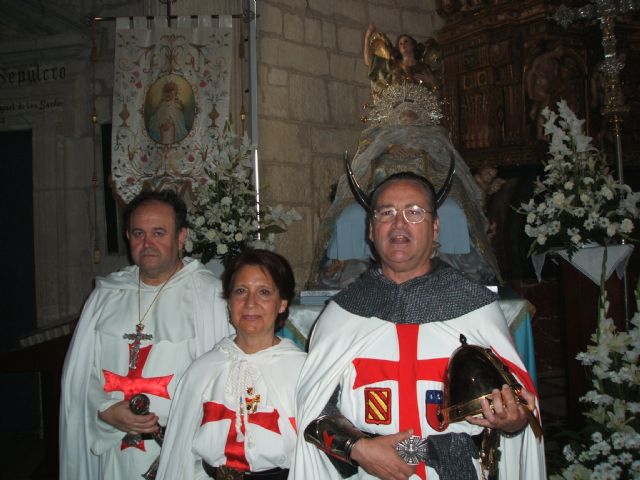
588 260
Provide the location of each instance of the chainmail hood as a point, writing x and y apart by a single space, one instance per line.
442 294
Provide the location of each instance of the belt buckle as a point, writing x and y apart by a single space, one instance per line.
224 472
413 450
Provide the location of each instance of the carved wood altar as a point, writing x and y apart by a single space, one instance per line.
505 60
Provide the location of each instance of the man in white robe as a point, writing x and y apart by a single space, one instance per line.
375 371
177 310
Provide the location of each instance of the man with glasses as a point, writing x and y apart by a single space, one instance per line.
371 386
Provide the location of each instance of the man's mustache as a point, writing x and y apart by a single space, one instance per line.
396 232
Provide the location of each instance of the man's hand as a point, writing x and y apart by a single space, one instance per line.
378 456
120 416
508 414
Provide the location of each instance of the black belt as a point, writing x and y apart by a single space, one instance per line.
227 473
477 439
415 450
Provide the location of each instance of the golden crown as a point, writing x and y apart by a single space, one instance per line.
393 102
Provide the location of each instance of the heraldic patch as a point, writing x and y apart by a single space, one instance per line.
377 403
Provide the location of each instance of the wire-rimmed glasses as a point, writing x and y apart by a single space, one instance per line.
412 214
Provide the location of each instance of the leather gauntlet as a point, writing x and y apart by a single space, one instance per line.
334 435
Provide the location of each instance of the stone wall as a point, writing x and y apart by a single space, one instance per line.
56 106
311 86
312 83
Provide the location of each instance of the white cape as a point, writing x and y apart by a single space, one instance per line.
194 285
187 442
340 337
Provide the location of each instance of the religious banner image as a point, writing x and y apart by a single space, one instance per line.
169 109
170 101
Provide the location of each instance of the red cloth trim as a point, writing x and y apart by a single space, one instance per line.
292 420
234 450
134 383
406 371
522 374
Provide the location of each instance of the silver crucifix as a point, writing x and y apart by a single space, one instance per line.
135 346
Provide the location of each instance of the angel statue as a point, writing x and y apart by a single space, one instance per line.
403 133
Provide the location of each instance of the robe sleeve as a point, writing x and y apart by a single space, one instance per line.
76 461
336 339
177 460
102 436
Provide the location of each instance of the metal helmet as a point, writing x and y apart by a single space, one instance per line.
472 374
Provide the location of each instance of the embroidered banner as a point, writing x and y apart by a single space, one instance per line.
170 100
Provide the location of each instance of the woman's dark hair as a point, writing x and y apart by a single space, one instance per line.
272 263
418 48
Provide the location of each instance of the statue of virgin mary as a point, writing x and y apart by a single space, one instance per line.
404 133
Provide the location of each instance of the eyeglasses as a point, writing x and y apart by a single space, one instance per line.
412 214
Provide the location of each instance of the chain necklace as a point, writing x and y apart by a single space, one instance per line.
141 318
138 336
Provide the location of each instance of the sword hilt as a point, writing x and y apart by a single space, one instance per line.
139 404
153 470
531 418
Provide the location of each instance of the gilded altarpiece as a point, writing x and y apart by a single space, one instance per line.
504 61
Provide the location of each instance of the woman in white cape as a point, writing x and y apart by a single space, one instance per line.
234 409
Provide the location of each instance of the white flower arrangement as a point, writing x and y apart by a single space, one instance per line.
577 201
224 218
611 447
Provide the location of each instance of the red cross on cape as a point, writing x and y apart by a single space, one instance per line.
134 383
522 374
234 449
407 371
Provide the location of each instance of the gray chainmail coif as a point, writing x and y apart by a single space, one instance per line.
442 294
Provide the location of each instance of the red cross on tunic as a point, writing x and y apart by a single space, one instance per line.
134 383
234 449
407 371
522 374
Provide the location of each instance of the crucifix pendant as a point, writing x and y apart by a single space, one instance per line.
135 346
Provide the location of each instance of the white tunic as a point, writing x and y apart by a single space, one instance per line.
207 420
384 391
187 318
